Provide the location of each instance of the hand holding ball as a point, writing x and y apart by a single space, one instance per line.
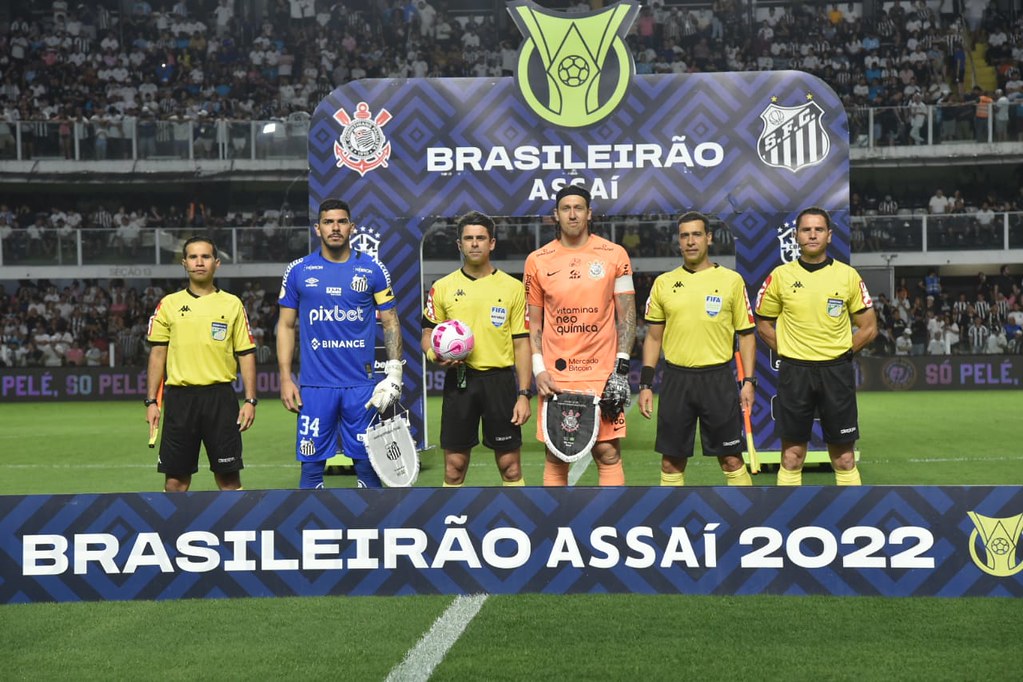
452 340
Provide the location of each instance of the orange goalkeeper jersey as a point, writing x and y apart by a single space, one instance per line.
576 289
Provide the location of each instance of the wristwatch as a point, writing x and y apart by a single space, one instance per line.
646 386
252 401
149 401
750 380
526 392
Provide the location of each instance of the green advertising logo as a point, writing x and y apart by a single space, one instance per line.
573 69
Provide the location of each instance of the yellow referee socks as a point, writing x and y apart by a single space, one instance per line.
786 477
555 473
513 484
738 477
678 479
452 485
848 477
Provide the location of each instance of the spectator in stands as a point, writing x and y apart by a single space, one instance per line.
996 343
938 204
904 344
977 335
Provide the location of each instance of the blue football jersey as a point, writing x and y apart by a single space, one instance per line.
336 304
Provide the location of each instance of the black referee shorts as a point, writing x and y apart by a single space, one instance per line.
200 414
709 394
489 397
824 388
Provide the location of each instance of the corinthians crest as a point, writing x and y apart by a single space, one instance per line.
793 137
573 69
362 145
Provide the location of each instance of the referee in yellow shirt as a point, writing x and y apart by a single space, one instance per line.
695 312
803 313
496 377
199 337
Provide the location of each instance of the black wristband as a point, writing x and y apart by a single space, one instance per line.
149 401
750 380
622 367
646 375
646 387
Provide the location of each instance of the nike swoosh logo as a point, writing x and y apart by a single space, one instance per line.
551 274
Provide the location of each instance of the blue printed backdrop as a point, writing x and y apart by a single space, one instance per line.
723 118
892 541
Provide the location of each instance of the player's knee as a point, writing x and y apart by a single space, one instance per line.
173 484
731 463
510 470
672 465
605 453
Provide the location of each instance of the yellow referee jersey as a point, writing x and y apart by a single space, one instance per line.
494 307
812 304
701 312
203 334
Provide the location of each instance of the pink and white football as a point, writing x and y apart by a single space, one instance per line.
452 340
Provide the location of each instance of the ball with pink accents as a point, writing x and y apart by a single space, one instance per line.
452 340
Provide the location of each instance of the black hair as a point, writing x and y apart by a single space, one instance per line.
692 216
475 218
333 205
814 210
198 238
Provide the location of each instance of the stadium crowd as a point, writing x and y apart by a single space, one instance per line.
84 323
201 60
94 323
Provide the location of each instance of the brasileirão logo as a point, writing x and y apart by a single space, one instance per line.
573 69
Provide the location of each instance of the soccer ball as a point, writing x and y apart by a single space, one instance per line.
573 71
452 340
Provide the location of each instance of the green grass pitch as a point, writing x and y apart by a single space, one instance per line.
908 439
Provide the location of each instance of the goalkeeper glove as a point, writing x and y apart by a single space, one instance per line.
617 393
388 391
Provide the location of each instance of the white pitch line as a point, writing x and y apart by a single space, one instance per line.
420 661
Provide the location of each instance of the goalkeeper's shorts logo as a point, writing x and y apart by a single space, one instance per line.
999 539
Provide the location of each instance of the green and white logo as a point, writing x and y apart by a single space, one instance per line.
574 69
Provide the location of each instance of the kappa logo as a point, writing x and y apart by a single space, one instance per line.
362 145
793 137
573 69
184 309
797 285
459 292
1000 538
677 285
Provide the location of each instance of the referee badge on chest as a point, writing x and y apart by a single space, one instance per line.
218 331
835 306
712 304
498 315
